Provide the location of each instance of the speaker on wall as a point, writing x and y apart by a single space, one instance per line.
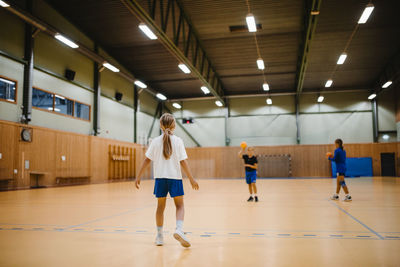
70 74
118 96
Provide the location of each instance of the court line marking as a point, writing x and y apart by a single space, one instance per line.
109 217
206 229
357 220
285 236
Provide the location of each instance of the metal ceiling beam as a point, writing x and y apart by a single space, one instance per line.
185 44
52 31
282 93
310 23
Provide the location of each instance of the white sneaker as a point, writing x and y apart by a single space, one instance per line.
159 240
347 199
180 236
335 197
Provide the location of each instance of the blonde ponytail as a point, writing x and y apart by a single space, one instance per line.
167 124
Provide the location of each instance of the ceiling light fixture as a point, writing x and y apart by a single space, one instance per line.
320 99
7 81
218 103
328 83
161 96
266 87
260 64
365 15
251 23
140 84
110 67
4 4
387 84
146 30
184 68
65 40
269 101
205 90
371 96
176 105
342 58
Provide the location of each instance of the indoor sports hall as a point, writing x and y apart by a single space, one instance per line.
199 133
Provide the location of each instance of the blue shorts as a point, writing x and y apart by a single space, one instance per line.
163 186
251 177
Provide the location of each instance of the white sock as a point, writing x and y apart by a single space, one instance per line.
347 195
335 195
251 195
179 225
159 230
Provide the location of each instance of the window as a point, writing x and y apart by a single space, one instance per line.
63 105
59 104
82 111
8 90
42 99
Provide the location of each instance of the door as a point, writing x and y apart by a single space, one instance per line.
388 164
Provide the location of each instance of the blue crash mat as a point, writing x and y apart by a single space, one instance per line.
356 167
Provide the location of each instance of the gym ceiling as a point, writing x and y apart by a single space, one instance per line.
299 41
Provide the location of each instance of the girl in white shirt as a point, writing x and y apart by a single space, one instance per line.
168 155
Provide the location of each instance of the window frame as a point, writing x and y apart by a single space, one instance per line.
59 113
16 90
90 111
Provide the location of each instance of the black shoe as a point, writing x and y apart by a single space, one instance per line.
256 198
250 199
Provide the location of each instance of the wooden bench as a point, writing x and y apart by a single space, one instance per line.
36 175
5 183
72 180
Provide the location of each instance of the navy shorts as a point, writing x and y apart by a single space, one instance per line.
340 174
251 177
163 186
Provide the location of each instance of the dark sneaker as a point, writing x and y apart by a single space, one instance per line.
250 199
347 199
256 199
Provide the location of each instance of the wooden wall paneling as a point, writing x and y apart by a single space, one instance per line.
39 153
78 162
119 163
114 175
110 163
123 163
307 160
91 156
100 160
7 148
131 162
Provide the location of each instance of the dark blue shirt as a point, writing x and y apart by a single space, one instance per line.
340 159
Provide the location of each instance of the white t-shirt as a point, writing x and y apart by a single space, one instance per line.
167 168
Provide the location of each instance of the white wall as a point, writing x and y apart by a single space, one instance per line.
325 128
387 111
116 120
347 116
262 130
13 70
342 115
398 131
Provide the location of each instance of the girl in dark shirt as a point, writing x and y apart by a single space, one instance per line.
250 163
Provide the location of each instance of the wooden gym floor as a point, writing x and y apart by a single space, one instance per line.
294 224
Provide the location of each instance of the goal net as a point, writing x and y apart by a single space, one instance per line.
274 165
